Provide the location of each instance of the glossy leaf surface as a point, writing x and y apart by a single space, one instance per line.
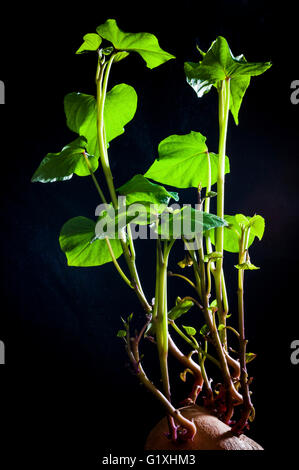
77 241
183 162
61 166
145 44
92 42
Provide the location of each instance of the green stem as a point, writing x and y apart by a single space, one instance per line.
207 203
161 319
101 83
101 194
247 405
101 97
193 345
224 99
202 358
171 274
114 260
232 392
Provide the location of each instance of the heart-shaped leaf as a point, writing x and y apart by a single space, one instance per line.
77 240
81 114
184 162
219 64
232 232
145 44
61 166
255 223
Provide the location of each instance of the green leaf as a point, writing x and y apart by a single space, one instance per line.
201 87
190 330
219 64
211 193
107 50
121 334
61 166
77 241
257 225
232 233
246 266
249 357
241 220
221 327
181 307
111 222
238 87
92 42
183 162
145 44
140 188
187 222
204 330
81 114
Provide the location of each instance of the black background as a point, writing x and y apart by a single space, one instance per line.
67 395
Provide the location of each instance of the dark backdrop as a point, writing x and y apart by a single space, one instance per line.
67 393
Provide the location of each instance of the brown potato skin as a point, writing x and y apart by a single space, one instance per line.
212 434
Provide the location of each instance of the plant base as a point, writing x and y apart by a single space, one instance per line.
212 434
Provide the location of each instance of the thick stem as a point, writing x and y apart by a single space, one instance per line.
207 205
161 319
224 99
102 82
101 97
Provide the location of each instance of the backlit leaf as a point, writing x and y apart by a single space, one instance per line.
219 64
145 44
77 241
232 233
183 162
61 166
81 114
92 42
